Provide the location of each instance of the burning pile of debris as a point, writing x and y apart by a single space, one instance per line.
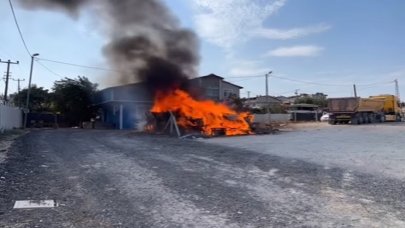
206 117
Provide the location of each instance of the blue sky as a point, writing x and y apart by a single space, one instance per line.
311 46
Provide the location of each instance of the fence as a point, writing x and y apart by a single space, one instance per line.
10 117
262 118
305 115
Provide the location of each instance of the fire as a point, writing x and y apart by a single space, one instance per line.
205 115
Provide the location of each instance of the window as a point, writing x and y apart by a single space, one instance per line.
212 91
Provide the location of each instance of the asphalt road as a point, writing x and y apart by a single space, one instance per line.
123 179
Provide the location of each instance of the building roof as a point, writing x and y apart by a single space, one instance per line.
211 75
133 92
134 84
282 98
219 77
132 89
263 99
240 87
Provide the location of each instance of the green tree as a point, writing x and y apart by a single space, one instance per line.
40 99
320 101
73 99
304 100
236 103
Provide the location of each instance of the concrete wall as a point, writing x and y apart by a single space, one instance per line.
262 118
10 117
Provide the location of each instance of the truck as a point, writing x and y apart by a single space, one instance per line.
392 108
355 110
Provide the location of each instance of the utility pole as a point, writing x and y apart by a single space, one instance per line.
355 90
267 96
396 89
18 81
7 77
26 110
18 88
397 94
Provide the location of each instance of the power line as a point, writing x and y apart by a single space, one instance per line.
376 85
242 80
78 65
291 79
307 82
106 69
254 76
25 44
329 84
18 27
288 92
49 70
55 61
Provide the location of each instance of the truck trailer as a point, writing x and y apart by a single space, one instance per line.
355 110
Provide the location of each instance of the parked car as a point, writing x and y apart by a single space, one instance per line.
325 117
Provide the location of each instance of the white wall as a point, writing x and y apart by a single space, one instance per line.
262 118
10 117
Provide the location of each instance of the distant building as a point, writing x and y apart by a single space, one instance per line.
319 96
292 99
125 107
260 102
283 99
287 100
214 87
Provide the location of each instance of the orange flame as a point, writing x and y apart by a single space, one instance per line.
206 114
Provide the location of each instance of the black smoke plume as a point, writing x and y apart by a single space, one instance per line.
71 6
146 41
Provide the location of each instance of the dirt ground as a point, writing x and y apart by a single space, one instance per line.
377 149
6 139
106 178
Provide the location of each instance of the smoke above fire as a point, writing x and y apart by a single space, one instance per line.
146 42
70 6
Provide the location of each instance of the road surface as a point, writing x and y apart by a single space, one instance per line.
123 179
377 149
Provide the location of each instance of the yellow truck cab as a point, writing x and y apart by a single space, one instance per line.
392 108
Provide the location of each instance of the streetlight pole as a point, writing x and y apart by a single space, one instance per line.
29 91
267 97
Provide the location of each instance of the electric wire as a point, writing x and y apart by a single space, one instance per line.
77 65
49 70
18 27
112 70
29 53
